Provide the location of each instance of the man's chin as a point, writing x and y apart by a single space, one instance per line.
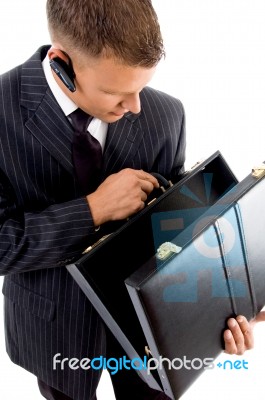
112 117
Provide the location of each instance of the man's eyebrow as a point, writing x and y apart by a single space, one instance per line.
115 92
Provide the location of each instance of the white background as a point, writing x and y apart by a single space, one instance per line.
215 65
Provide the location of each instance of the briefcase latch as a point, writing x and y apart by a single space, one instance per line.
258 172
167 249
88 249
147 351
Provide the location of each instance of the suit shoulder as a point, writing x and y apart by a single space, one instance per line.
10 89
33 63
153 97
11 77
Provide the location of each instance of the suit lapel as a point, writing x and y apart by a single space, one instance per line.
48 123
123 140
50 126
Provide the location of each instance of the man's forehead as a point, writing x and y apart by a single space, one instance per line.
121 79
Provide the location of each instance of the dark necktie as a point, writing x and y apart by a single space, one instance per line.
87 152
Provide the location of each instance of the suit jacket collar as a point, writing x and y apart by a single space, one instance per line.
47 121
50 126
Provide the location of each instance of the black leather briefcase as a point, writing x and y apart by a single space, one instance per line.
101 272
213 269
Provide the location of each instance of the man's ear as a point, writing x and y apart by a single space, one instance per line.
54 52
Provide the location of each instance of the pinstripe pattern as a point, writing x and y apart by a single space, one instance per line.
45 222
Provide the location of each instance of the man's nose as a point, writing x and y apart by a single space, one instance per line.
132 103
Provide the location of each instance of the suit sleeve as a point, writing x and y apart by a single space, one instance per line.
53 237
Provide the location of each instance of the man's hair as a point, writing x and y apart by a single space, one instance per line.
126 29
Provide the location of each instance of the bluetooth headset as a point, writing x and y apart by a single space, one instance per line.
64 71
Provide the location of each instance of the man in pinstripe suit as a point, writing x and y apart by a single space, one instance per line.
107 52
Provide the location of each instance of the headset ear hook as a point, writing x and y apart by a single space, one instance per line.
64 71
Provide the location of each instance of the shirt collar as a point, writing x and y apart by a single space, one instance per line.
66 104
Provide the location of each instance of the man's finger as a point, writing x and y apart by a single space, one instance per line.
146 186
246 331
238 336
148 177
230 345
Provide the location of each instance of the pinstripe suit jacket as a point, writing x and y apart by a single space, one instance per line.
45 221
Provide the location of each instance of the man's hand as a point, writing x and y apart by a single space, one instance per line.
121 195
239 337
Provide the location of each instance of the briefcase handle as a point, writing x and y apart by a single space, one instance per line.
164 185
163 182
